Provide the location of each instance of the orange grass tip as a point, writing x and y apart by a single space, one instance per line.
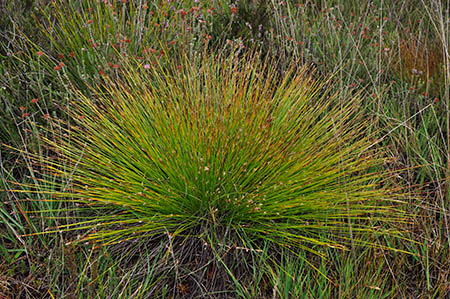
35 100
39 53
182 13
59 66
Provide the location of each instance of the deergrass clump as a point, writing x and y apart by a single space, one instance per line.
227 153
221 145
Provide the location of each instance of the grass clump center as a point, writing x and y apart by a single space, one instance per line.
226 151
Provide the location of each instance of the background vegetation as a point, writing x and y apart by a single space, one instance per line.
393 55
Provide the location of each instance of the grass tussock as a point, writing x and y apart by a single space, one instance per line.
236 176
222 154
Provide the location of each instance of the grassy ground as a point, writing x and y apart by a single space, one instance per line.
393 55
